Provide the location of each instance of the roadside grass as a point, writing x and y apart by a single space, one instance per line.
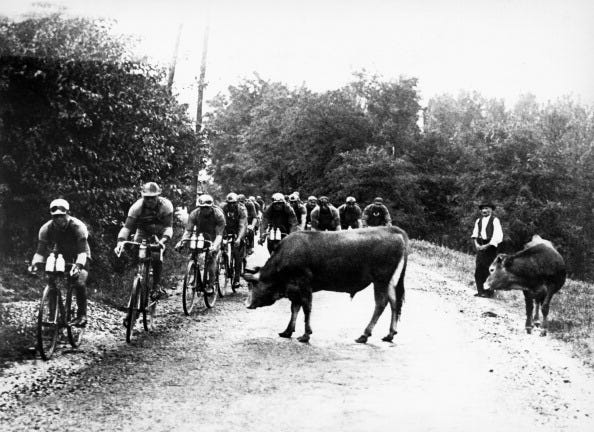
571 316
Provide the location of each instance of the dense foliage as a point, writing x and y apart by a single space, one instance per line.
81 119
364 140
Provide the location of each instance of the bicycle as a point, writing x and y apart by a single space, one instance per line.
140 301
53 315
228 260
273 237
196 280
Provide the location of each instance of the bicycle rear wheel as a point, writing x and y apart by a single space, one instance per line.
48 322
133 307
75 334
210 299
189 288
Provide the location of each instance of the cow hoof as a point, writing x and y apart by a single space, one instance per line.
286 335
304 338
543 332
388 338
536 323
361 339
529 330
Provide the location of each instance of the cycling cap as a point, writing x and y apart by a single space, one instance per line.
351 199
205 201
378 200
252 198
294 197
278 197
324 198
150 189
232 197
241 197
312 198
59 207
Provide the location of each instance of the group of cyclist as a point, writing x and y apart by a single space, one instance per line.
152 216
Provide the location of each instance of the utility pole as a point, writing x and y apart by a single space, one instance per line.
174 60
201 85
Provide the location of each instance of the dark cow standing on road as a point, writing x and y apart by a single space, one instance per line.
340 261
538 270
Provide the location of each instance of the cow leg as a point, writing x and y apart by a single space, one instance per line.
396 306
545 312
381 300
528 299
536 319
307 312
295 306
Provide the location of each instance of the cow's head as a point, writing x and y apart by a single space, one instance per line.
499 276
261 292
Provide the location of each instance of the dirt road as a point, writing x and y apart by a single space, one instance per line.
458 363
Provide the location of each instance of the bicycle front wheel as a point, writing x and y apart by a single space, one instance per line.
210 299
75 334
133 308
48 322
223 271
189 288
148 306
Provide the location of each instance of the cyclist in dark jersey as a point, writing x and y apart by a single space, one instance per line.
350 214
252 219
279 215
325 216
68 236
209 221
236 221
311 204
151 215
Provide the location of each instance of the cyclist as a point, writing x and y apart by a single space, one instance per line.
260 201
299 209
311 204
64 234
325 216
376 214
252 220
151 215
279 215
350 214
209 221
258 214
236 221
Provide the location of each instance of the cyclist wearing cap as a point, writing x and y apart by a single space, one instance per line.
252 220
350 214
311 204
258 214
236 218
279 215
325 216
209 221
299 209
376 214
260 201
150 215
64 234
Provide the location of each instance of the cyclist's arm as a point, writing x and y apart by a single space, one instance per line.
314 218
242 223
82 245
336 219
387 217
42 245
190 223
303 212
293 224
168 225
219 229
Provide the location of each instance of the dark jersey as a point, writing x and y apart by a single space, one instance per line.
69 242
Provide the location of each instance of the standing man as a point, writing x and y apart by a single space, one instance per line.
376 214
350 214
150 215
487 234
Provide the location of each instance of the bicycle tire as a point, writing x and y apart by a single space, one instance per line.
148 305
222 266
189 287
133 307
75 334
48 322
209 299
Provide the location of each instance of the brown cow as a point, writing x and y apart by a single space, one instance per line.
538 270
340 261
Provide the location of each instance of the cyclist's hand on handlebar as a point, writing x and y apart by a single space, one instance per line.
119 248
178 246
261 241
162 242
32 269
237 243
76 268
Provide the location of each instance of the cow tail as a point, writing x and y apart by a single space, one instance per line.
397 282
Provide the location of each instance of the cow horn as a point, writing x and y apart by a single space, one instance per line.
252 271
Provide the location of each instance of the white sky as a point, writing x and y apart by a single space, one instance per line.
500 48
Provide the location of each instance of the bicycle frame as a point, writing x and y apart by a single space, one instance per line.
196 279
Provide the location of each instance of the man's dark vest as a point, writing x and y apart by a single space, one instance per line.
309 208
296 207
280 218
231 218
349 216
377 216
489 230
66 241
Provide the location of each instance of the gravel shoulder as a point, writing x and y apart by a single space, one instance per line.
458 363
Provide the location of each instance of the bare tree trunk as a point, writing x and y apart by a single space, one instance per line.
174 60
201 84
